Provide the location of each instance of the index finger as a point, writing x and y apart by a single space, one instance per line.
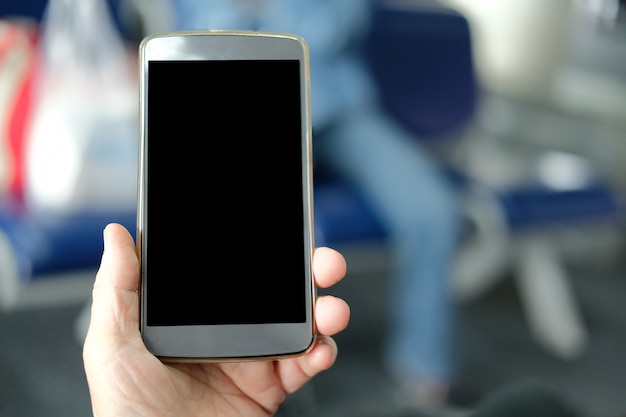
329 267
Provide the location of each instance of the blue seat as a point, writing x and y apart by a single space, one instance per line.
532 207
49 258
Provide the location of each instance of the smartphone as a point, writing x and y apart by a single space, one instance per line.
224 230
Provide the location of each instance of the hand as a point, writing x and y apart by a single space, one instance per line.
126 379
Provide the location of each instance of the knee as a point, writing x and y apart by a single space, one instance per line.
430 215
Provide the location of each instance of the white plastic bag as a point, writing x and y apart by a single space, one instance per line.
82 144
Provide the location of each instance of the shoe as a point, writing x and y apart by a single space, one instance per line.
431 394
440 399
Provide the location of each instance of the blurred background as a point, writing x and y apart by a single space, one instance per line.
535 134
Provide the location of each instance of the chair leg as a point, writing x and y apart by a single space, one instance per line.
548 299
484 256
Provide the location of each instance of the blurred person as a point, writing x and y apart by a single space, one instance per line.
357 140
124 378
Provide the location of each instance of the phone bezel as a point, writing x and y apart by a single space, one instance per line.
227 342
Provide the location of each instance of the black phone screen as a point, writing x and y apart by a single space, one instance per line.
225 208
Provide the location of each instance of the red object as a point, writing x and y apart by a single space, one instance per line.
20 106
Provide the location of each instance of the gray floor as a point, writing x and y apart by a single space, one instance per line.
496 348
41 370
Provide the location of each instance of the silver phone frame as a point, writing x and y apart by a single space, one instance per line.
227 342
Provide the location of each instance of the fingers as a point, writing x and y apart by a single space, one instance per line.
322 356
329 267
298 371
332 315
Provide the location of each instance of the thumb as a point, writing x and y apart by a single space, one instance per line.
115 299
120 265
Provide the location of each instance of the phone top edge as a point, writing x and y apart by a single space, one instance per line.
222 45
222 32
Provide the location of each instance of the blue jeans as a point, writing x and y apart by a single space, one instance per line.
419 209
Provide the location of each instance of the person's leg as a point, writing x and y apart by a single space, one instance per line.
419 209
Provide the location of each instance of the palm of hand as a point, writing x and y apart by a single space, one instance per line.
140 384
